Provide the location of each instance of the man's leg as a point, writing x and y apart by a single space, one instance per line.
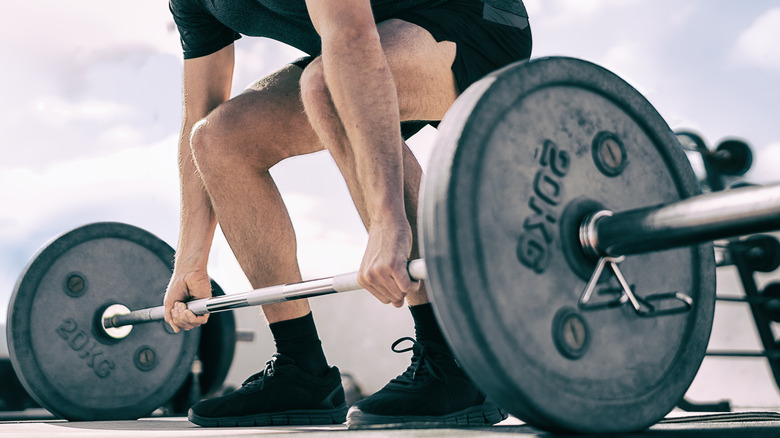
434 391
234 147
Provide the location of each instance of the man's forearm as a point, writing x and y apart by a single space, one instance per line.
207 81
198 220
364 94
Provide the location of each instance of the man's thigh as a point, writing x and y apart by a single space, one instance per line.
267 121
437 50
486 38
421 68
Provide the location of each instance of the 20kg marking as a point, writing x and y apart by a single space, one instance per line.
533 245
86 347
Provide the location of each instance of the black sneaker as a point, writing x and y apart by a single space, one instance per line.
432 392
281 394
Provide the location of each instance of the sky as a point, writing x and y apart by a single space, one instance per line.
92 98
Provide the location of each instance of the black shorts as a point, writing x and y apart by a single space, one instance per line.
483 44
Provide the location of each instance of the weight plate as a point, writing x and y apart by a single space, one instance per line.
522 156
60 354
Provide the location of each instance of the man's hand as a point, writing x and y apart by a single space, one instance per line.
383 271
185 286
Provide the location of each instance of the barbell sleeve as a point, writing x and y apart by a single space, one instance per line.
699 219
266 295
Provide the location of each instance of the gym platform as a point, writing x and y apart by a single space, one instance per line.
37 423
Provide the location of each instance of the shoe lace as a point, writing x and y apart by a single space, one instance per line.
259 378
422 364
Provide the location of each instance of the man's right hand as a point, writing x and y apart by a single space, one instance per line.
185 286
383 270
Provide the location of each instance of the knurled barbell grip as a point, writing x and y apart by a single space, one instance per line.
699 219
267 295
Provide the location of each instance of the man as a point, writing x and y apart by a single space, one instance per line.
373 65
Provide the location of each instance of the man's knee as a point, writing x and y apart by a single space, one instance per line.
318 104
231 136
207 143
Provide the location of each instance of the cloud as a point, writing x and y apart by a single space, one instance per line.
758 45
258 57
562 13
92 78
324 249
58 112
71 30
765 167
34 197
115 102
630 60
682 14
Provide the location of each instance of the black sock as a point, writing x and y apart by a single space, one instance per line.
426 328
297 339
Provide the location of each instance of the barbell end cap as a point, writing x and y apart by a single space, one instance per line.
108 322
417 270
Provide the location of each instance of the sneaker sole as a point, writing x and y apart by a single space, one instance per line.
486 414
287 418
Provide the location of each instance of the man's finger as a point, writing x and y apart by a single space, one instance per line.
186 319
169 319
405 283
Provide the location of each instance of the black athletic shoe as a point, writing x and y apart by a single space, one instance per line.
281 394
433 392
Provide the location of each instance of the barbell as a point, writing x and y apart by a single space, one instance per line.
564 243
604 235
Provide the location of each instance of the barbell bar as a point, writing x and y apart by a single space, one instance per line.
704 218
273 294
